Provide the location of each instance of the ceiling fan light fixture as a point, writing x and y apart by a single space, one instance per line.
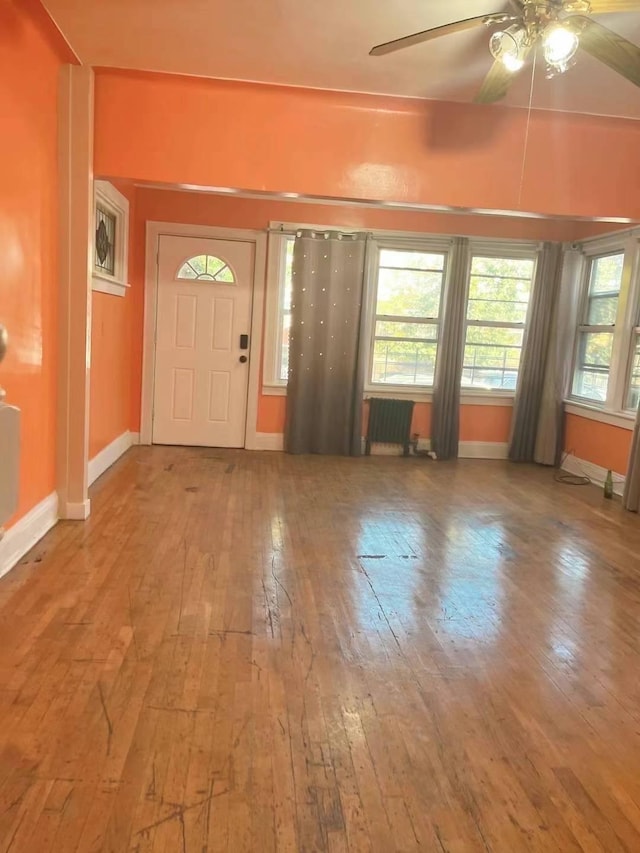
560 45
508 46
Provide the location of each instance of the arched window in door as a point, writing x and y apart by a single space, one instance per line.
206 268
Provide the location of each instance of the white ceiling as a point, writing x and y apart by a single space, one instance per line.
325 44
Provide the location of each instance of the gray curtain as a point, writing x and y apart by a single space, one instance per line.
535 351
445 412
557 371
631 494
326 370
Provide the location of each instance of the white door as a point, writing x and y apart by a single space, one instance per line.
202 336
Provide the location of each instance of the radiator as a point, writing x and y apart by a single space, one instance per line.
389 423
9 460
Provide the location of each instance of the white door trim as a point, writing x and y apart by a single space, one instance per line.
154 231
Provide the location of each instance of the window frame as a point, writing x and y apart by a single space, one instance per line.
276 266
400 244
622 330
114 202
502 250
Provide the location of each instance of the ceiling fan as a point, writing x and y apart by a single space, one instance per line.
560 26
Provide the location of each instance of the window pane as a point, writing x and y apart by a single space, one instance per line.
284 346
602 311
409 285
206 268
492 358
505 267
288 267
595 349
282 366
485 308
499 289
403 363
633 394
390 329
592 372
491 335
606 274
591 383
411 260
105 239
489 378
409 293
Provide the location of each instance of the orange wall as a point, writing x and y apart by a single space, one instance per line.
602 444
30 59
111 348
183 130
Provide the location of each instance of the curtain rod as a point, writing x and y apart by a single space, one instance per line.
294 233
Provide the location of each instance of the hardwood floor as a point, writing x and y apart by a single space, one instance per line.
257 652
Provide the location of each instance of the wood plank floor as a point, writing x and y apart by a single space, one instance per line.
256 652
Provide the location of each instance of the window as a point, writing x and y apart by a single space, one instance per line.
404 314
597 328
104 256
285 312
499 290
405 334
206 268
633 391
111 240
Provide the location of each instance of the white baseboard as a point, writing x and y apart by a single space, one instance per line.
27 531
111 453
483 450
269 441
597 474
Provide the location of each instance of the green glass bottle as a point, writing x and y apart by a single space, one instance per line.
608 485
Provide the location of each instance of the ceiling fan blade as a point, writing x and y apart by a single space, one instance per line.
496 83
601 7
436 32
610 48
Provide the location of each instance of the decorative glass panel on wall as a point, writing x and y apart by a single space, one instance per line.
105 241
206 268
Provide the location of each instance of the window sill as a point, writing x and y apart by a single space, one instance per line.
399 392
274 390
422 395
625 420
107 285
472 397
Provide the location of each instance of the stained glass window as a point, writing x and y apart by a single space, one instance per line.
104 254
206 268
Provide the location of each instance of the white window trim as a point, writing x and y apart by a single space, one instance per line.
271 382
405 242
118 205
625 420
529 251
627 319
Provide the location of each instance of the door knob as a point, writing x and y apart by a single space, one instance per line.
243 359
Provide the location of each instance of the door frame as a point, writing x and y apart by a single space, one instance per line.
156 230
